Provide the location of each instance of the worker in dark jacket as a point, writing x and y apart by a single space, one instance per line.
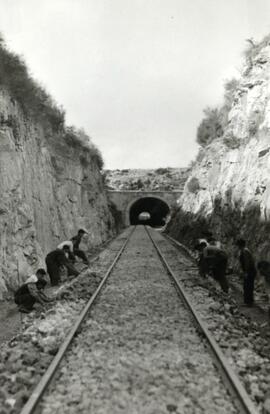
203 270
57 259
249 269
31 292
214 261
76 240
264 269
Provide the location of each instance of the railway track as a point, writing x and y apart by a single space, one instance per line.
241 333
135 348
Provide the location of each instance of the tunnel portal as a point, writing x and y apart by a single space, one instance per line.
157 209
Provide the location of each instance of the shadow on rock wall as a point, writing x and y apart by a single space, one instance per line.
118 217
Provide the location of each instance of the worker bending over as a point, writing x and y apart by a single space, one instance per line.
32 291
203 270
76 240
55 261
213 260
249 269
70 254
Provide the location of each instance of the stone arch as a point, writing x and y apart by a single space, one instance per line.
149 201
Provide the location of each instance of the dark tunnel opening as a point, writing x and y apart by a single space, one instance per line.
156 208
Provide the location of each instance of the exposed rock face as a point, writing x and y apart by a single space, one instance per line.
228 190
49 189
141 179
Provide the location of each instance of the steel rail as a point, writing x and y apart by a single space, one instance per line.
47 377
180 246
234 386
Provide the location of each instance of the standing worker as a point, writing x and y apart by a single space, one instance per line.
249 269
57 259
76 240
31 292
214 260
264 269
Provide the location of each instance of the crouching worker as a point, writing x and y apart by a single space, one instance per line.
31 292
214 260
76 240
55 261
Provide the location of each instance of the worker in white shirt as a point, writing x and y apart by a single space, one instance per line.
69 255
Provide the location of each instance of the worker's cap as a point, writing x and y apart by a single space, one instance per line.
240 242
200 245
82 231
41 272
66 247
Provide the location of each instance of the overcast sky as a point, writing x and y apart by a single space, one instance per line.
135 74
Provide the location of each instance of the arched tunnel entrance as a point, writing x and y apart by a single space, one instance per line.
149 210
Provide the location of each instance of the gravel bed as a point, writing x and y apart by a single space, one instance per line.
10 320
25 358
260 296
245 343
139 351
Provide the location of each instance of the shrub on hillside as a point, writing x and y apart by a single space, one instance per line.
230 87
72 138
37 104
252 53
97 157
33 99
211 126
193 185
216 120
77 138
254 48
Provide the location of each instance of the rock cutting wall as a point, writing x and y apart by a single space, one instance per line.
49 188
228 190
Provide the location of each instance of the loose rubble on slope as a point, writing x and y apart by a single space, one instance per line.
141 179
25 358
245 343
